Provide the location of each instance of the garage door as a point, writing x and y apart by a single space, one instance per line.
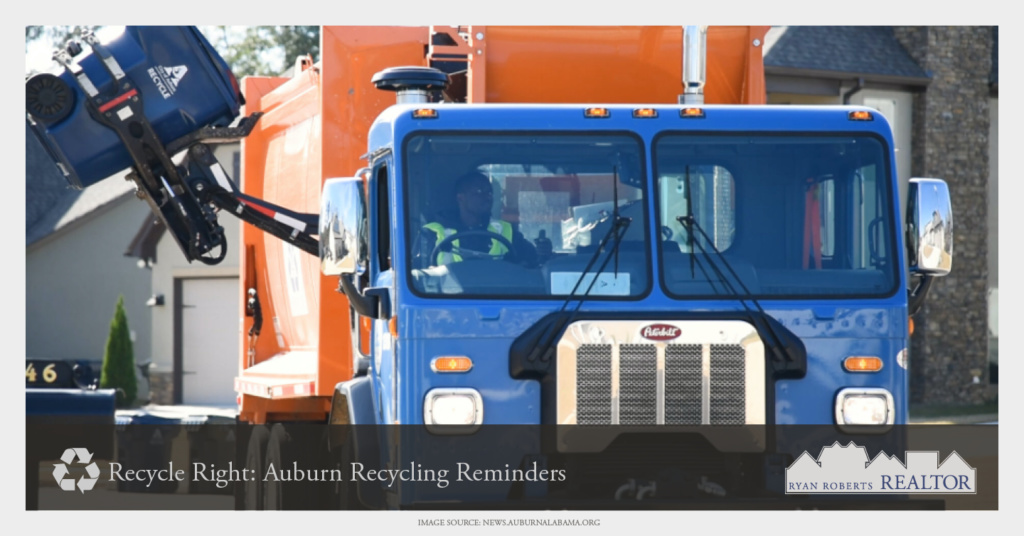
210 341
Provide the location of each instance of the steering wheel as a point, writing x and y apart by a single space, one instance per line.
666 233
455 250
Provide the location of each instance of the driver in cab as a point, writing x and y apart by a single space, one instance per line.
469 232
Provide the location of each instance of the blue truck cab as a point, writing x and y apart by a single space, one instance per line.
634 266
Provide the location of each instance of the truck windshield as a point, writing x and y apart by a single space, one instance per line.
794 216
521 215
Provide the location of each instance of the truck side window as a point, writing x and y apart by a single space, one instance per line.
869 212
383 219
827 202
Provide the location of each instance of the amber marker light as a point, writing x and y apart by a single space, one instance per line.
597 112
450 363
862 364
910 325
424 113
861 115
692 113
645 113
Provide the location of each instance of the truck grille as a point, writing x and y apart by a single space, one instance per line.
727 384
712 372
594 383
638 384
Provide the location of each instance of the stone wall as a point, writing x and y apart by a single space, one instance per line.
950 141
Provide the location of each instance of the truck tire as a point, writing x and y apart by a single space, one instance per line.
274 491
252 488
347 496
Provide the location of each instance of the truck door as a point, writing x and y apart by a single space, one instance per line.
383 362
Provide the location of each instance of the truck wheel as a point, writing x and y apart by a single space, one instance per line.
273 489
252 488
348 498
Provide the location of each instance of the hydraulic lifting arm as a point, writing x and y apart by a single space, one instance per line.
187 196
212 187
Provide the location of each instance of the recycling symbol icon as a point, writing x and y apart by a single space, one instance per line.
61 471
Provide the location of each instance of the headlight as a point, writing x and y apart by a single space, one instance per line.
864 406
459 410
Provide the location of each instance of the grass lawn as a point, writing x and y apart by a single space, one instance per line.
943 410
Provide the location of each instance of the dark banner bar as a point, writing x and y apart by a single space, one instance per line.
319 467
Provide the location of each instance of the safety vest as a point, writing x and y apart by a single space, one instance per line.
498 249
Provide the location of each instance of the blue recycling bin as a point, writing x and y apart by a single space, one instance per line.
144 442
183 83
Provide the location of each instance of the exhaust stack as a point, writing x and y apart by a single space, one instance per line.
695 39
412 84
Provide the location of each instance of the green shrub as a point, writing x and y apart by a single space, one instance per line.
119 360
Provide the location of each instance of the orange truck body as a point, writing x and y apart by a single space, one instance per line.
314 127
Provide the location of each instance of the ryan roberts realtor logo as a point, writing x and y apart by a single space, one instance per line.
840 469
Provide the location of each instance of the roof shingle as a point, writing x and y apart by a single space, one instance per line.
50 203
866 50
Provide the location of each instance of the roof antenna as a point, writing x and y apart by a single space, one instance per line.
413 84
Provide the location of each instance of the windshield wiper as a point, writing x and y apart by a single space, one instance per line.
544 348
788 351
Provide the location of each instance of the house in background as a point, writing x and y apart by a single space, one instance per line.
939 89
75 267
86 247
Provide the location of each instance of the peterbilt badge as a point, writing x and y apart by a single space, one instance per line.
660 332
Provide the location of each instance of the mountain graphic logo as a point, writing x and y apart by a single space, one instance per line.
61 473
848 469
167 79
173 75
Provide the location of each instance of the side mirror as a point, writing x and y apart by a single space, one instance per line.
929 227
343 227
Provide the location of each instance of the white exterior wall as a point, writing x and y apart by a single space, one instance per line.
72 281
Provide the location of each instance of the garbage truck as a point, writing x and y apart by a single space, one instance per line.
549 241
